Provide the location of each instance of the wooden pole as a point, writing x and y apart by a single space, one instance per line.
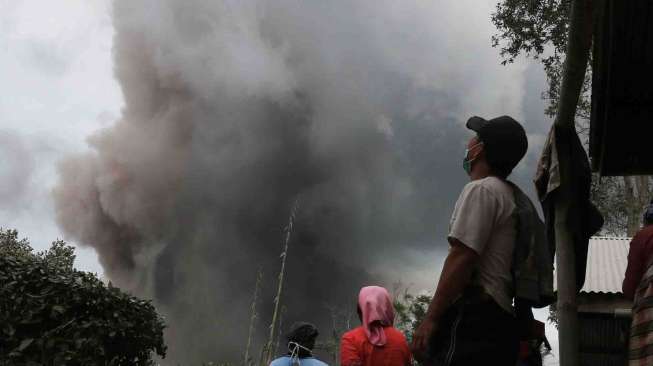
566 278
578 45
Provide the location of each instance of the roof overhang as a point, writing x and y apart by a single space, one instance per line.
621 123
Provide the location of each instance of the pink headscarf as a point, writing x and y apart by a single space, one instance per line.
377 312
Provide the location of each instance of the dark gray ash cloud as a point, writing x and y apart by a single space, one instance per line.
233 110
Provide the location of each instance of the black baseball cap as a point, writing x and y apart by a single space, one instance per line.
504 141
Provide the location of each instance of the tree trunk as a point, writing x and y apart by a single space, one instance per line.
629 195
637 196
578 45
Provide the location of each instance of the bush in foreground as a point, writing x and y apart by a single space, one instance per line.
52 314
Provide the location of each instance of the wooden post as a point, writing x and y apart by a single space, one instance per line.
578 45
566 279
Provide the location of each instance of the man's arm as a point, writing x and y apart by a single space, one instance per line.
456 274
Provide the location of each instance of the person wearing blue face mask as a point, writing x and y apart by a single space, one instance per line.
471 319
467 161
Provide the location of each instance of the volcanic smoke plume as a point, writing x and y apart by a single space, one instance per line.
235 109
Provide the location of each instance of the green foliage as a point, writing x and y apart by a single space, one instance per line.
538 29
60 255
343 319
609 195
52 314
553 314
409 312
531 27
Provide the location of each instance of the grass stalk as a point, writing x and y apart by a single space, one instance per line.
253 317
277 298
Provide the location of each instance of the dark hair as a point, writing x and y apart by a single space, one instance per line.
303 334
496 169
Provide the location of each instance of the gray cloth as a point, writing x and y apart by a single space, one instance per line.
533 256
564 147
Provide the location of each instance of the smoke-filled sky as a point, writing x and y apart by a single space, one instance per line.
169 139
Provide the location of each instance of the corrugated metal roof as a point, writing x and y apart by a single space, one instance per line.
607 259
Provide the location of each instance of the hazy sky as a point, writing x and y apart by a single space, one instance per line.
57 88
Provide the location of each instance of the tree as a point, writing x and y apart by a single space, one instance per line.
342 320
53 314
410 311
538 29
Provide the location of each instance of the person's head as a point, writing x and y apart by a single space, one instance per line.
375 311
499 145
301 339
648 214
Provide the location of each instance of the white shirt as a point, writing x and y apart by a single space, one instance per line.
483 221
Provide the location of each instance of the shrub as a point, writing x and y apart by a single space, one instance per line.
52 314
410 311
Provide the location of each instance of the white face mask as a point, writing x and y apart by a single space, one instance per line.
294 348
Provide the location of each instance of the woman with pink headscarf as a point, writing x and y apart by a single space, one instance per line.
376 342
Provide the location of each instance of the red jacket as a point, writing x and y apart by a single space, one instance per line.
356 350
641 249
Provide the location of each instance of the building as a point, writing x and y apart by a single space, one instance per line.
603 311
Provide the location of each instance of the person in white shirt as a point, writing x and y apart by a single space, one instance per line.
471 320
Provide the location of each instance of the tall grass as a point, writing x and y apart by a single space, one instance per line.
268 350
280 327
254 316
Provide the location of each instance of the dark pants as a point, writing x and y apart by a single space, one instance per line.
475 332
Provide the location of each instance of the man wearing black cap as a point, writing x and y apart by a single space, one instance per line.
471 320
